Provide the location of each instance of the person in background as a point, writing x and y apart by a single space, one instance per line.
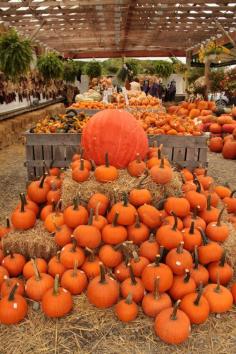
172 91
145 87
154 85
160 89
135 85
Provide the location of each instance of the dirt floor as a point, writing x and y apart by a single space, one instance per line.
89 330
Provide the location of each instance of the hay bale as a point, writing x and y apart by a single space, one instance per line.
125 183
35 242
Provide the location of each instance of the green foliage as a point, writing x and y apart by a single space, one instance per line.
194 73
15 55
178 66
133 66
70 71
163 68
147 67
216 77
111 66
50 66
93 69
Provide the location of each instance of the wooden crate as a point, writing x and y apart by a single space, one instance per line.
42 148
188 151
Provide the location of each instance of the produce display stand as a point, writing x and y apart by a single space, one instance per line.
188 151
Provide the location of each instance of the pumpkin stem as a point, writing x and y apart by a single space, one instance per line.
175 309
22 208
91 255
75 269
129 299
131 273
205 172
81 152
196 181
107 163
75 204
137 224
159 153
162 249
156 293
176 221
90 220
11 296
152 238
114 222
36 271
9 253
196 261
162 163
208 202
145 173
81 165
220 217
199 294
125 199
136 257
93 165
186 276
157 260
24 198
74 244
191 231
182 178
42 180
232 193
160 204
97 210
51 164
58 254
102 274
138 158
217 288
223 259
180 247
8 223
195 211
56 285
204 238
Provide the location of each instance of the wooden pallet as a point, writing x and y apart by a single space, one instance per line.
187 151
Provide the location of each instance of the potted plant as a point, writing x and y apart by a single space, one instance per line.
50 66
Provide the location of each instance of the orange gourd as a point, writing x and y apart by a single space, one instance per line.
210 251
125 210
179 259
132 285
4 230
29 271
138 263
140 196
114 234
149 215
191 237
75 215
80 173
182 285
54 220
106 173
88 235
110 256
54 195
136 167
196 198
126 310
13 308
138 232
205 180
149 248
62 235
74 280
99 221
91 265
222 191
198 272
23 218
210 214
216 230
3 274
170 220
38 190
222 270
230 202
169 236
14 263
8 285
71 253
161 174
102 200
198 222
219 298
179 206
55 266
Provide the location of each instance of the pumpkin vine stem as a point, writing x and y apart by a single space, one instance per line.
42 180
8 223
125 199
175 309
176 221
56 285
129 299
90 220
75 204
217 288
81 165
102 274
24 198
137 224
136 257
232 193
156 293
196 261
195 211
107 163
91 254
208 202
157 260
186 276
131 273
199 294
11 296
159 152
138 158
74 244
191 231
58 255
220 217
223 259
152 238
145 175
180 247
203 235
36 271
75 269
22 207
205 172
97 210
196 181
9 253
162 163
93 165
114 222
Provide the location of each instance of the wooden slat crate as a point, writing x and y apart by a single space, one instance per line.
187 151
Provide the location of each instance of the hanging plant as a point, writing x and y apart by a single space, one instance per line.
15 55
178 66
93 69
211 49
163 68
70 71
50 66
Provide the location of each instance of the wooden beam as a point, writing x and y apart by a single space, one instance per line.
120 54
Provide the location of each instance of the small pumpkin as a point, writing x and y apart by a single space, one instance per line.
13 308
138 232
125 210
54 195
132 285
149 215
149 248
23 218
210 214
74 280
182 285
4 230
91 265
99 221
209 251
136 167
229 150
196 198
198 272
161 174
14 263
113 233
179 259
55 266
179 206
71 253
191 237
106 173
138 263
29 269
57 301
75 215
62 235
88 235
102 200
172 325
222 270
81 173
8 284
169 236
38 190
230 202
126 310
217 231
219 297
222 191
3 274
54 220
110 256
216 144
103 291
198 222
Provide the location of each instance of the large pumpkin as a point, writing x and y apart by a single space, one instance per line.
216 144
116 132
229 150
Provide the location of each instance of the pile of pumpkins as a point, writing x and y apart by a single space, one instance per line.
167 260
196 109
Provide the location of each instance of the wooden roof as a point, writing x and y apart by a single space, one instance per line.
109 28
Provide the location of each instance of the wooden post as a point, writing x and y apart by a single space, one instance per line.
207 77
188 63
